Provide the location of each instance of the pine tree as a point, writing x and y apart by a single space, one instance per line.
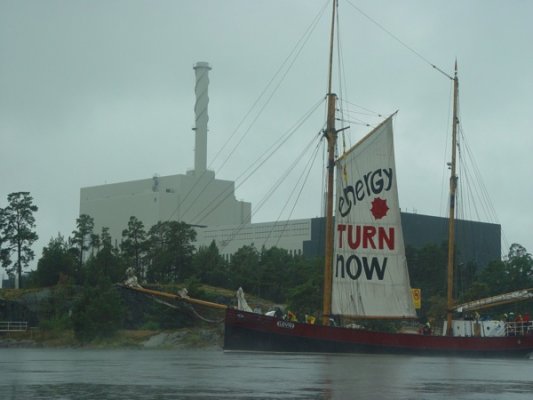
17 233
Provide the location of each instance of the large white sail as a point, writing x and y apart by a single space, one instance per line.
370 277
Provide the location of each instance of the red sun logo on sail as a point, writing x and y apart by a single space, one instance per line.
379 208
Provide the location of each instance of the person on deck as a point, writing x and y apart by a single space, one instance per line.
292 316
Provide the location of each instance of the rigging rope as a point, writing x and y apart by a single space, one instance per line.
260 161
416 53
294 53
369 112
270 192
190 307
306 171
342 83
473 200
300 192
477 198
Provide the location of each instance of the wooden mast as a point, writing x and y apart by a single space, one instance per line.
453 190
331 135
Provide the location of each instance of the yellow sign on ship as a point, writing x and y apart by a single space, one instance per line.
417 298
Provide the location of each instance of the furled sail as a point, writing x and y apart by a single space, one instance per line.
370 277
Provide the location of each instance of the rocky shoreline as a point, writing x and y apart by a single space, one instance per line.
146 324
186 338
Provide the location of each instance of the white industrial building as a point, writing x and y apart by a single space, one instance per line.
197 197
194 199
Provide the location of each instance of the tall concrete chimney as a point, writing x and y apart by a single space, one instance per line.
201 117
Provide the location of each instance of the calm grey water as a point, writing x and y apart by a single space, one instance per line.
213 374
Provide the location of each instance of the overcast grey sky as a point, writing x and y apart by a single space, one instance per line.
95 92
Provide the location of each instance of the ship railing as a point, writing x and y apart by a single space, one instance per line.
518 328
13 326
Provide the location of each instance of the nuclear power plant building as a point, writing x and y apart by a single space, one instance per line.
196 198
209 205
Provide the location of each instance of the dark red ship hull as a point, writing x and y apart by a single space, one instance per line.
245 331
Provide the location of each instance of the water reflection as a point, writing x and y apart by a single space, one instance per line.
175 374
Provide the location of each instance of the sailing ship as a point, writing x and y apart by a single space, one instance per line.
365 275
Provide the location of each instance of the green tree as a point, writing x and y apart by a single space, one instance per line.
55 311
427 271
106 264
306 292
81 238
134 244
98 313
94 243
435 307
514 272
170 251
519 267
210 267
17 230
243 268
427 268
275 273
56 262
465 279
